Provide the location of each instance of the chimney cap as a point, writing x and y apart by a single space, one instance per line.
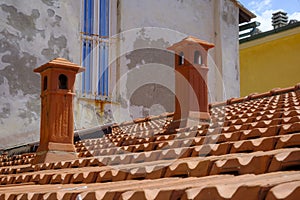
279 13
280 19
191 40
60 63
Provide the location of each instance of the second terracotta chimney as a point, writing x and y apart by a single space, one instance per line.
191 101
57 120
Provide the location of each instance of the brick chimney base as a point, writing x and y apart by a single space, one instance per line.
194 118
55 152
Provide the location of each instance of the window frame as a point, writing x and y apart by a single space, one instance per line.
95 80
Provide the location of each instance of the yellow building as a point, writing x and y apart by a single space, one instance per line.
270 60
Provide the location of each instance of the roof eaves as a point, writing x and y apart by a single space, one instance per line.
271 32
245 15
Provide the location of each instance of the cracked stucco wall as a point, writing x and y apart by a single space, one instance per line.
142 81
148 27
32 32
230 58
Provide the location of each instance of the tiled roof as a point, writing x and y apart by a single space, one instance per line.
250 150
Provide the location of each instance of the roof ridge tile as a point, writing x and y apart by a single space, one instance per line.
254 96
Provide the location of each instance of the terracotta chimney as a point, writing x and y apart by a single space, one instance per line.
57 120
191 101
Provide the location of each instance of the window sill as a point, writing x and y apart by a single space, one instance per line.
95 97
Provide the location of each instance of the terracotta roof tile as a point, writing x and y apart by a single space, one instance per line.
248 164
260 132
290 190
259 144
249 150
290 128
211 149
184 187
285 160
185 168
291 140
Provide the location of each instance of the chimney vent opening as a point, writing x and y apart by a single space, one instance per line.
45 84
181 58
197 58
63 81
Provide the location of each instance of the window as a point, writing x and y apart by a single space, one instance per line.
95 46
181 58
197 58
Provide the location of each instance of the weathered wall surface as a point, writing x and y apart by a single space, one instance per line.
229 21
30 36
142 76
148 27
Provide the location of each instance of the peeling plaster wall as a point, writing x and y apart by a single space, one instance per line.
230 57
89 113
148 27
32 32
142 78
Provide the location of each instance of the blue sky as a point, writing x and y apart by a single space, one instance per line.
263 9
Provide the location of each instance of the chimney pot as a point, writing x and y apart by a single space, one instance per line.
191 92
57 120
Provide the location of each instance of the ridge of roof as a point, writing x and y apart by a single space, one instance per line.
273 92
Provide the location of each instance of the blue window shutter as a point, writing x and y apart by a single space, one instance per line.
83 63
89 66
87 59
104 32
100 70
85 14
106 68
103 69
90 16
88 9
104 18
88 38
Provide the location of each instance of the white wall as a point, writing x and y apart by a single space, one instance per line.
158 24
142 77
31 33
